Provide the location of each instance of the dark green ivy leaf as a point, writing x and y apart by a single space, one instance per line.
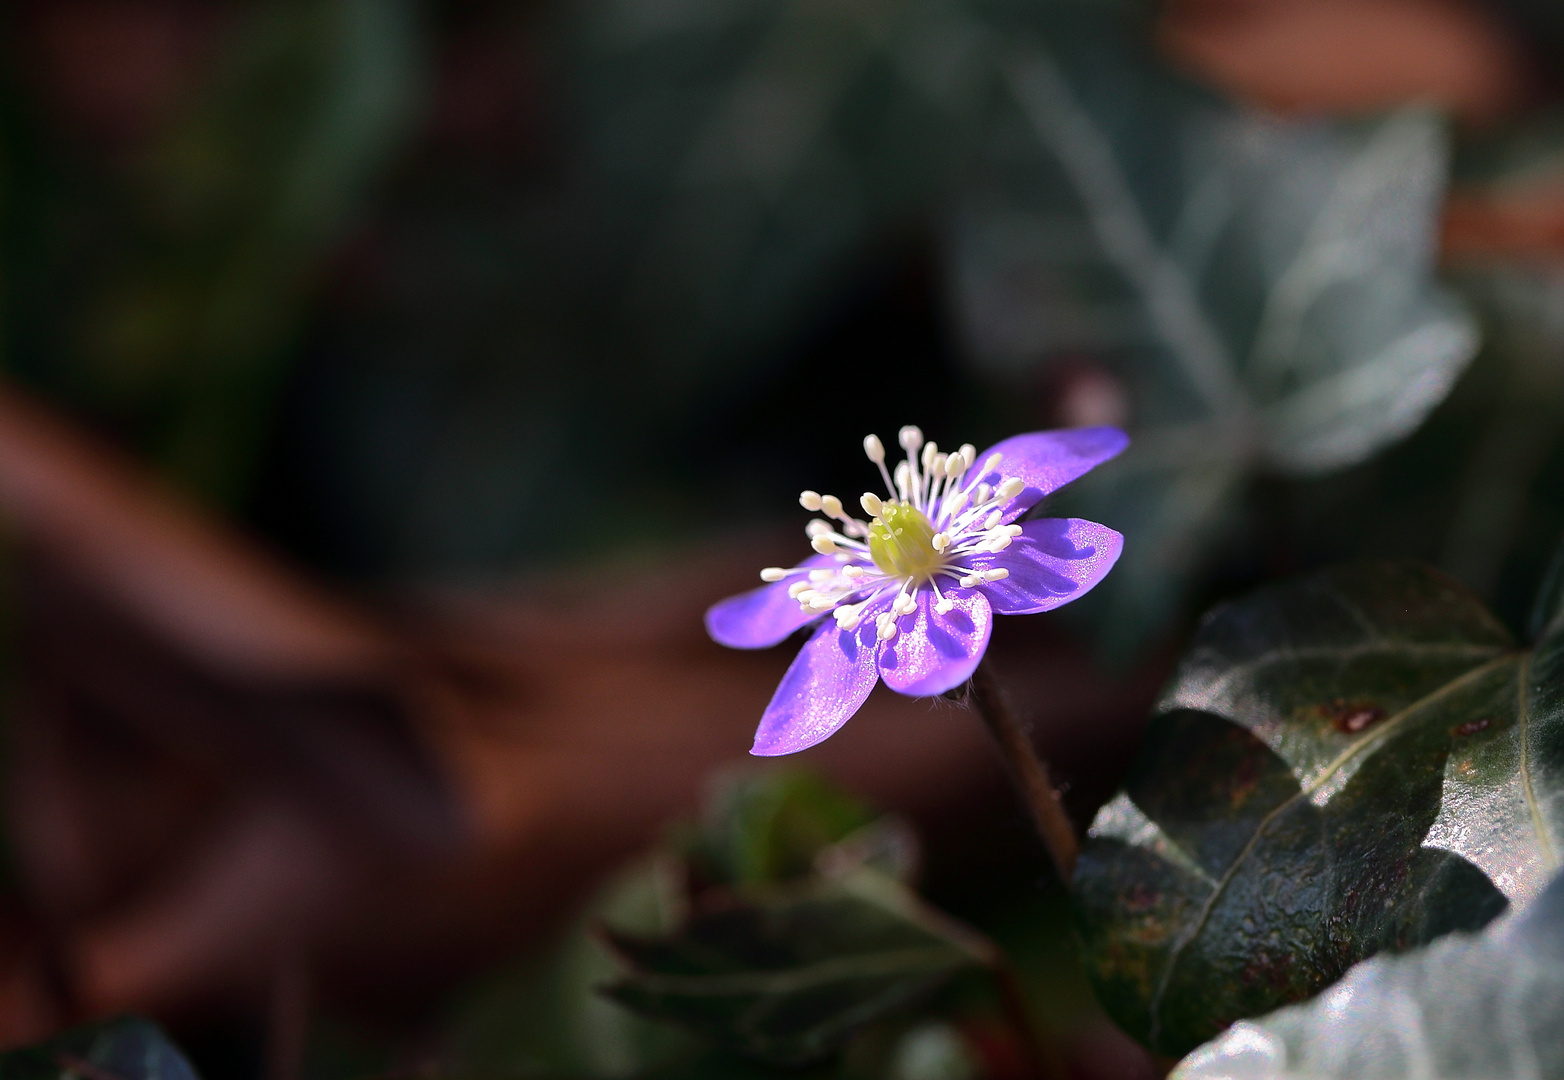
1469 1007
1263 289
128 1048
789 975
1354 761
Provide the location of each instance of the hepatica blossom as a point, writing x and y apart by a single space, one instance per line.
909 594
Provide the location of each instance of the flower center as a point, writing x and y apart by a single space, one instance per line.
901 542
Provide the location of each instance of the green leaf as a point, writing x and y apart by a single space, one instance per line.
192 317
1353 761
787 976
128 1048
1480 1006
1264 289
772 825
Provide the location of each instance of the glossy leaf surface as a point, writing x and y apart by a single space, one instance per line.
1354 761
1484 1005
126 1049
788 977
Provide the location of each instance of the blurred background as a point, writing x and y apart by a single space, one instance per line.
389 385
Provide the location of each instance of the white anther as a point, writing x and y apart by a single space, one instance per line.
824 545
968 453
941 541
998 543
903 478
930 449
945 606
848 616
810 500
905 605
994 519
887 629
852 573
999 573
874 449
817 527
821 603
821 575
970 580
831 505
956 503
992 464
910 438
773 573
1013 530
955 465
797 588
1011 488
871 504
980 496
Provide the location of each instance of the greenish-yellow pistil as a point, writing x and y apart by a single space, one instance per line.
901 542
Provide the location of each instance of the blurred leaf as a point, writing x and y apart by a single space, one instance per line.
125 1049
545 1016
1353 761
1266 287
1481 1006
772 825
230 216
787 976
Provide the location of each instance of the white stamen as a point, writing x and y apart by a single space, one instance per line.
945 606
821 603
874 449
1014 530
817 576
980 496
810 500
930 449
910 438
968 453
903 479
955 465
824 544
887 629
1011 488
994 519
773 573
797 588
998 544
999 573
970 580
905 604
871 504
941 541
992 464
956 504
848 616
852 573
831 505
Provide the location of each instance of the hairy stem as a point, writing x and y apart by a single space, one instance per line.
1028 770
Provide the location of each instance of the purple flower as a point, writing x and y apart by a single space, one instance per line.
912 592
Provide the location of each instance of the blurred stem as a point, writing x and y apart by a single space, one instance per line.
1028 770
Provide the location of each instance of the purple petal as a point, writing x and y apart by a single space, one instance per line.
1048 460
935 652
827 682
1053 561
762 617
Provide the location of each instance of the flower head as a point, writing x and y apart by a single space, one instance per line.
911 588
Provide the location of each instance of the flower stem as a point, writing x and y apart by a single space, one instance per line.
1029 771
